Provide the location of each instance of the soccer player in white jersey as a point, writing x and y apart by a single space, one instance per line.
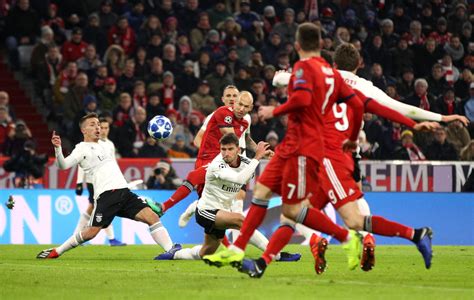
224 178
111 194
82 178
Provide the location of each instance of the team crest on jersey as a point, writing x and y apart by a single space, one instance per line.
299 73
222 166
98 218
228 120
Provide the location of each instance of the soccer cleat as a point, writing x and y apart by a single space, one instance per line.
424 245
169 255
116 243
367 261
155 206
251 268
286 257
225 257
353 248
48 254
185 217
318 247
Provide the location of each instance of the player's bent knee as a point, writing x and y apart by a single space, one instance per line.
262 192
355 221
291 211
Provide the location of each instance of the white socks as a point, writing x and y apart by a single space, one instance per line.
74 241
109 231
188 253
161 236
83 221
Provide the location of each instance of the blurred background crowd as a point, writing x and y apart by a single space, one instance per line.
129 60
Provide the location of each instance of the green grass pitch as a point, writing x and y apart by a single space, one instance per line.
102 272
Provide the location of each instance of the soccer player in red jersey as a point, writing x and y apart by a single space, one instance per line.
292 172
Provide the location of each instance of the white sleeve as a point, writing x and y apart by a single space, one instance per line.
68 162
241 177
409 111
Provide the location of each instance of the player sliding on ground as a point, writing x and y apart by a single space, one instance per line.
225 175
111 195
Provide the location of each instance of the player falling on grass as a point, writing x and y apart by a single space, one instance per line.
83 177
292 172
225 176
111 195
339 188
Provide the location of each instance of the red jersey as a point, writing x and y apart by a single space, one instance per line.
222 117
72 51
306 112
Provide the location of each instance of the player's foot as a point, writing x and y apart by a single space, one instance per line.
367 261
155 206
225 257
424 245
353 248
285 256
185 217
115 243
48 254
169 255
251 267
318 247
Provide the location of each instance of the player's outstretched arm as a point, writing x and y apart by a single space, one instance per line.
452 118
383 111
198 138
63 163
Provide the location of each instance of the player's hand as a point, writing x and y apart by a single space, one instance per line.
79 189
426 126
261 150
451 118
349 146
265 112
269 154
56 140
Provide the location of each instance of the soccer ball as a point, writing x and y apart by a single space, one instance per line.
160 127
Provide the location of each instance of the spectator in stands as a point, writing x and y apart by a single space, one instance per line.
73 100
16 139
180 150
287 28
244 50
229 30
197 36
187 80
389 37
461 87
426 18
218 13
377 78
152 149
114 59
342 36
392 92
455 49
466 35
400 20
426 57
107 17
139 97
41 48
441 149
214 46
403 58
98 78
108 98
126 81
164 177
451 73
90 61
133 134
94 34
242 79
407 83
155 78
136 16
169 92
182 44
154 106
448 103
420 97
195 124
55 22
219 79
457 135
152 26
256 65
123 112
155 48
171 30
249 21
408 150
272 48
7 128
190 12
48 71
469 104
5 102
202 101
436 82
170 61
185 109
123 35
142 66
75 47
22 26
89 105
457 19
467 153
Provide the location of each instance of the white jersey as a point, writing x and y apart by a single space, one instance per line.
242 142
224 182
99 164
369 90
81 175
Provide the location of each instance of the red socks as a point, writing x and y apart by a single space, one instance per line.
194 178
225 242
382 226
254 218
280 238
316 220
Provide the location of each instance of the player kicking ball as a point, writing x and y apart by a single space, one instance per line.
225 175
111 194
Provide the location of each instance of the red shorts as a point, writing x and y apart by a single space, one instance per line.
293 178
337 185
200 167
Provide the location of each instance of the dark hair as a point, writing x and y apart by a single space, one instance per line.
229 138
103 120
346 57
326 55
88 116
308 36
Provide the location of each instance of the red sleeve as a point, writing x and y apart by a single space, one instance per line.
374 107
298 99
358 111
224 117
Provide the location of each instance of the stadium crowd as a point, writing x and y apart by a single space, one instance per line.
131 60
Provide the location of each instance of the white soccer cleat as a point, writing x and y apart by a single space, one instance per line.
185 217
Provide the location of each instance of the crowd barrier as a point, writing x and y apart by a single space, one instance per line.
44 216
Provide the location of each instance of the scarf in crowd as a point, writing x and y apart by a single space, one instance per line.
414 153
168 96
139 101
449 74
396 134
450 105
424 103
